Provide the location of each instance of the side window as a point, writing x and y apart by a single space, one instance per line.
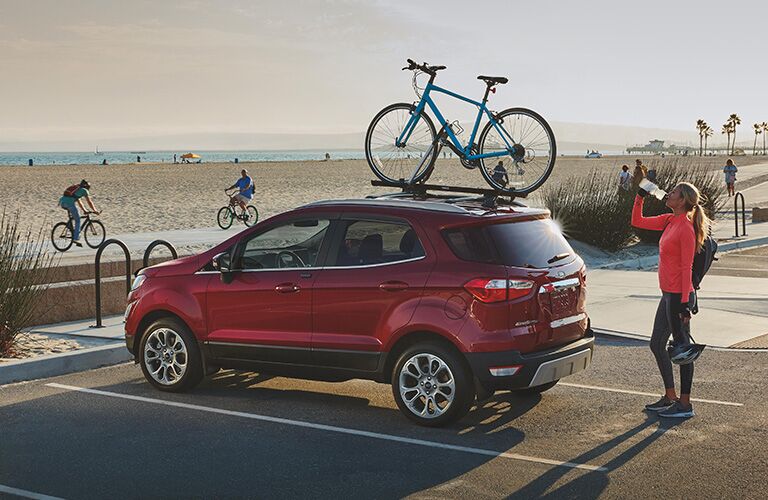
295 244
377 242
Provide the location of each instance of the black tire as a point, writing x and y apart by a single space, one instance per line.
534 160
94 233
411 383
175 332
532 391
253 216
224 218
61 236
391 163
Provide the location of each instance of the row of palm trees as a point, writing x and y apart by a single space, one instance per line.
729 129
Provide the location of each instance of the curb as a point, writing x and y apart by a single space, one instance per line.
53 365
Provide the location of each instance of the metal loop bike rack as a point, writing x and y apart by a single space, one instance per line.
104 245
158 243
743 214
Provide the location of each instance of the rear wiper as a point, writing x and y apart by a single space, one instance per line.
557 257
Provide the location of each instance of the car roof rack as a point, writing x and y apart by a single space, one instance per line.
490 198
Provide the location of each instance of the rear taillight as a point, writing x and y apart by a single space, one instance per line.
498 289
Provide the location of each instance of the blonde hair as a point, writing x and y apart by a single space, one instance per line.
693 201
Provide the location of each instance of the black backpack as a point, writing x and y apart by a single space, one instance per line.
702 261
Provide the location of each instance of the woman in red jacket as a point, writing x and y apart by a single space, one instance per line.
684 231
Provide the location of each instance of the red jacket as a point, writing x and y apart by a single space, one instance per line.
676 248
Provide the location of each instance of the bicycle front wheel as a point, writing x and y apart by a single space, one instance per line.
224 218
410 161
251 216
530 151
94 233
61 236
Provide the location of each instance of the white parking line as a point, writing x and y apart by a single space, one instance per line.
625 391
340 430
25 493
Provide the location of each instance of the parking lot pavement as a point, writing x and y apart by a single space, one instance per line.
243 434
752 262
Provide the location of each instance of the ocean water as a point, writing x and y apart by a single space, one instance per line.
122 157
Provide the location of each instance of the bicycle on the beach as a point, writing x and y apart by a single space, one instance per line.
92 229
402 144
229 213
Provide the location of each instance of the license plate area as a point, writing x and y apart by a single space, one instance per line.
563 303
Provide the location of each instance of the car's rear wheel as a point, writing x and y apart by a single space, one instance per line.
169 356
432 385
538 389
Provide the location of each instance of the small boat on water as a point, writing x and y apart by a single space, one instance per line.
97 152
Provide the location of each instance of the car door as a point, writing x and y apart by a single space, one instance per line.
374 276
265 312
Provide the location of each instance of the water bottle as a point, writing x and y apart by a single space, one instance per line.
652 189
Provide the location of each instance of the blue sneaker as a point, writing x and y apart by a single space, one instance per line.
677 410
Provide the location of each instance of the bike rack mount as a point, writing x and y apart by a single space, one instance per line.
155 244
104 245
736 214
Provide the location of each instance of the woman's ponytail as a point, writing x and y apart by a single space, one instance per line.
701 224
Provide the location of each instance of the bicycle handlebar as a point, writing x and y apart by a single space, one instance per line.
426 68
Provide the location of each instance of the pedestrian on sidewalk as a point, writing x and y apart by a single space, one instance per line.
625 178
683 234
730 176
640 173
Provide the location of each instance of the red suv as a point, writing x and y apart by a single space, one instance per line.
447 301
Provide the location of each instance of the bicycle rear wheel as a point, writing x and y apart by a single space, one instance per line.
94 233
224 218
61 236
531 158
251 216
414 158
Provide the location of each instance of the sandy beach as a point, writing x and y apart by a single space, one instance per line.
155 197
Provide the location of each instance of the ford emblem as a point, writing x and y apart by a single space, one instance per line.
560 274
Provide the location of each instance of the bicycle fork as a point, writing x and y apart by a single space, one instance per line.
436 146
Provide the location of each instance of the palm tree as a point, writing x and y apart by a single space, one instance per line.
708 133
700 126
734 120
727 130
764 126
758 130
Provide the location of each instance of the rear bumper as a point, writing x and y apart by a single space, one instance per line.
536 368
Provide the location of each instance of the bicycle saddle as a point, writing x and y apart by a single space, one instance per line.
493 80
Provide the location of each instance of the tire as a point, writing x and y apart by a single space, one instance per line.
533 162
61 236
532 391
411 381
224 218
391 163
253 216
169 356
94 233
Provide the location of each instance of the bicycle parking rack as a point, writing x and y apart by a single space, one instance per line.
736 214
155 244
490 197
104 245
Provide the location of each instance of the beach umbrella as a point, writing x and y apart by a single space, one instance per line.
190 156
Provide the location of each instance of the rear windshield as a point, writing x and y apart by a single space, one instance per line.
536 243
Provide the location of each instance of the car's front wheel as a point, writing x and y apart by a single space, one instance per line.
169 356
432 385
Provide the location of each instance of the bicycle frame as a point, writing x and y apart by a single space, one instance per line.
426 100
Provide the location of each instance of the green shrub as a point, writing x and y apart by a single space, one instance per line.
669 173
592 209
24 263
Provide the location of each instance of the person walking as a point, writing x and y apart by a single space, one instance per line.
639 174
625 178
683 234
730 176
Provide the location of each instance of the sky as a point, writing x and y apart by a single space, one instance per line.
92 71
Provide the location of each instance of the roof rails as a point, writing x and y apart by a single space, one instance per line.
490 198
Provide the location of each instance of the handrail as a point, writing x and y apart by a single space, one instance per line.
743 214
157 243
98 275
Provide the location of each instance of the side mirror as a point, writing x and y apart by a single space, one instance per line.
221 262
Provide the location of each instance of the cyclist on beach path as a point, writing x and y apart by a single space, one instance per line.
71 199
683 234
246 189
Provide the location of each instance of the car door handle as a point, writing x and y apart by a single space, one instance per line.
287 288
393 286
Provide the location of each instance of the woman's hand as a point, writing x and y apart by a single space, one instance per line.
685 313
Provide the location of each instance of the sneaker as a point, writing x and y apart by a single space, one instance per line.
661 404
677 410
77 242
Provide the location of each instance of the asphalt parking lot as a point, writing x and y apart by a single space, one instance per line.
107 433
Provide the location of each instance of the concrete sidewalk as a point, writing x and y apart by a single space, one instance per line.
732 309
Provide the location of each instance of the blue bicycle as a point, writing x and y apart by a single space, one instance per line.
402 144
